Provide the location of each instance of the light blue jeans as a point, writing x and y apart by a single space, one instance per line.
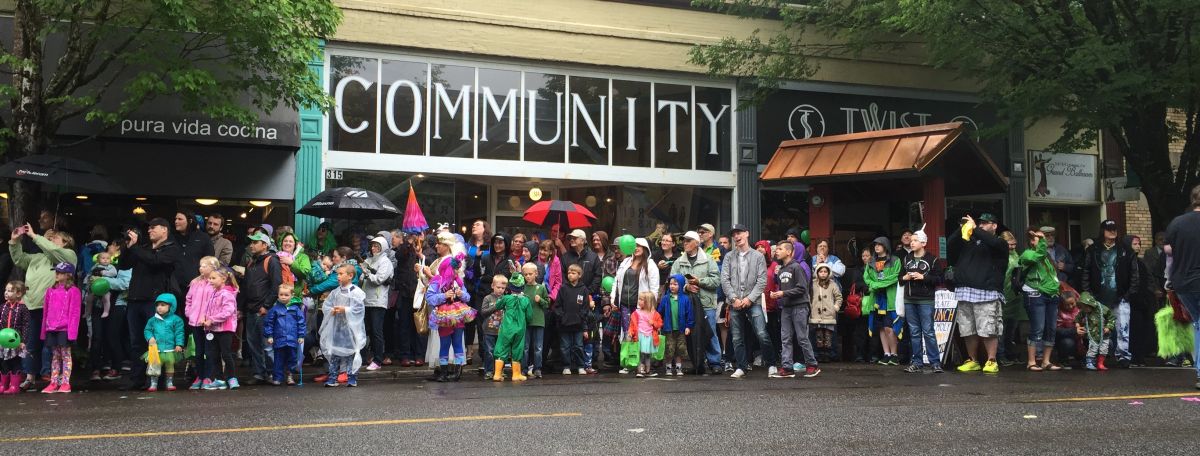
712 353
1120 337
758 322
921 334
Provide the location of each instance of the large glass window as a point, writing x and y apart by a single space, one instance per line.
631 123
403 126
672 126
545 109
451 111
499 114
713 145
355 89
589 121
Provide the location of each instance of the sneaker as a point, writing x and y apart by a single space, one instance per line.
566 371
214 385
640 375
738 374
591 371
913 369
233 384
276 382
373 366
884 360
290 381
772 371
758 362
352 380
111 375
786 372
652 374
582 371
152 389
196 384
623 371
991 367
811 371
797 366
64 388
332 384
728 367
95 376
1171 363
937 369
537 373
170 384
894 360
679 370
969 366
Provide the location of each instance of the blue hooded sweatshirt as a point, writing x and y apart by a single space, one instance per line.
167 330
686 319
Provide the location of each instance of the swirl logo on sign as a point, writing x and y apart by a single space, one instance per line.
805 122
970 123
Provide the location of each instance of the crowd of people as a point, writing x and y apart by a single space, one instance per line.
181 300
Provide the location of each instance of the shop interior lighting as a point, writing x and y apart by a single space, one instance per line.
206 201
242 215
260 203
535 193
139 211
81 197
140 198
4 195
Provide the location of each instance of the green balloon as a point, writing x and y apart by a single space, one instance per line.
607 284
100 287
804 237
627 243
10 338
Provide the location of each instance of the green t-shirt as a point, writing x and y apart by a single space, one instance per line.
674 313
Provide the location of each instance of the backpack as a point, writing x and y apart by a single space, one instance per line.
853 308
288 277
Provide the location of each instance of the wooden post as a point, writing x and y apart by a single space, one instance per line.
933 193
820 219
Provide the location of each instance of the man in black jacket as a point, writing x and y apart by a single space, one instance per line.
260 287
1109 273
153 266
194 244
979 284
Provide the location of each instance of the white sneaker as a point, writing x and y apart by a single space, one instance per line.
670 370
757 361
738 374
623 371
773 371
679 370
582 371
373 367
566 371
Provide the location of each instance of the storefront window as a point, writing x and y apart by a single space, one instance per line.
405 87
499 114
451 111
672 126
355 85
545 108
589 121
631 123
713 107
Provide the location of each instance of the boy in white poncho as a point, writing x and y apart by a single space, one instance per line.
342 332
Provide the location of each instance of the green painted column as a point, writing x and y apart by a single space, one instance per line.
309 171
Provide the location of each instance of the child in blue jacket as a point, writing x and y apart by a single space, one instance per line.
676 311
284 329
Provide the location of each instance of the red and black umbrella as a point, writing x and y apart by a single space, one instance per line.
566 214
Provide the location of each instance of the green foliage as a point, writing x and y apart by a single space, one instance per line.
1116 66
220 58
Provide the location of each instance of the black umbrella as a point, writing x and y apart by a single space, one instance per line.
69 173
350 203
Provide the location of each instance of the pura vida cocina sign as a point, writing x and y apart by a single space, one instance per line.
409 105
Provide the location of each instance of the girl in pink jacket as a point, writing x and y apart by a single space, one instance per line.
199 293
218 317
60 325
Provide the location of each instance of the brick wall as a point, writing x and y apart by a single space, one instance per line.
1137 213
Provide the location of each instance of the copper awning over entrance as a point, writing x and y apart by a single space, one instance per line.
883 158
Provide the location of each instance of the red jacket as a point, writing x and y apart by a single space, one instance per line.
772 284
656 323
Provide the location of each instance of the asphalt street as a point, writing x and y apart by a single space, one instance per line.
848 409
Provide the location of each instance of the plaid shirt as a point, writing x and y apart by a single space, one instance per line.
968 294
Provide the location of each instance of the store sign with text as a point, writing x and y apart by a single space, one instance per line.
1062 177
415 106
799 114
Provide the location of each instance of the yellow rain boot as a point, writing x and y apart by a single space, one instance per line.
499 375
517 376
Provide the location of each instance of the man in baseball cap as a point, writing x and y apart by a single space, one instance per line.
577 233
707 243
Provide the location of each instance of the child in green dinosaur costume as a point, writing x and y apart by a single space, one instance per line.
510 344
1096 322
